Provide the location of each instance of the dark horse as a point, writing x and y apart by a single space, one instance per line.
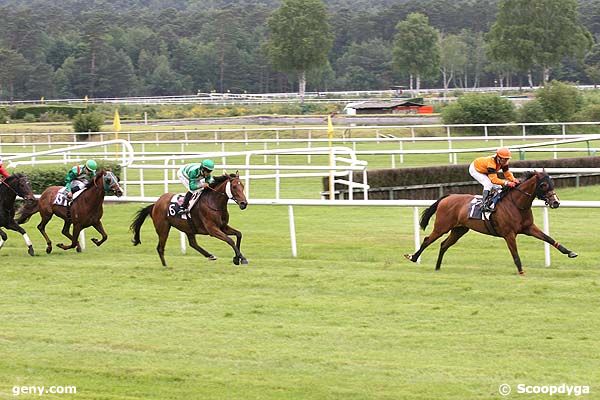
86 210
11 187
209 216
513 216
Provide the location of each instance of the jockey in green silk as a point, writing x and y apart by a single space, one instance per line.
79 176
195 177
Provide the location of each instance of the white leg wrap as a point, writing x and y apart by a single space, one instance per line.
1 243
27 240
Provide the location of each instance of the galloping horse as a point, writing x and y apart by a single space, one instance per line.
86 210
209 216
513 216
11 187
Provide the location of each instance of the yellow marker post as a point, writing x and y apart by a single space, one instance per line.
117 124
331 171
117 127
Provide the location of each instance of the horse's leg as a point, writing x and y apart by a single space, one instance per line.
228 230
75 238
536 232
98 226
194 245
163 235
455 234
42 228
219 234
511 242
435 235
13 226
3 237
66 232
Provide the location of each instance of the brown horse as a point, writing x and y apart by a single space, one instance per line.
512 216
209 216
11 187
86 210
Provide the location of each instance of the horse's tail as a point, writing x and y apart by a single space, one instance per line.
428 213
138 220
27 210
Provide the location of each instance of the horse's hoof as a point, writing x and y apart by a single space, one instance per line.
48 249
96 241
236 260
78 249
409 257
244 261
521 273
573 254
30 251
211 257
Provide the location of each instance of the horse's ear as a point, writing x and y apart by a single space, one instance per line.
237 173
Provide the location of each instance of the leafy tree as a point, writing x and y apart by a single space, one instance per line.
14 67
366 65
416 48
538 32
453 58
299 38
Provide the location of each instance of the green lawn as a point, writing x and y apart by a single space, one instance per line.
348 319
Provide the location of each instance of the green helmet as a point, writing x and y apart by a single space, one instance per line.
208 164
91 165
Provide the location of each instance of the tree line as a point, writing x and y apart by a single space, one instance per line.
78 48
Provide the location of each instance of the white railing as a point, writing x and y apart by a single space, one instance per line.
344 164
72 154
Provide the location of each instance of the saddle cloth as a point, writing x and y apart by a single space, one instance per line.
476 209
61 196
176 202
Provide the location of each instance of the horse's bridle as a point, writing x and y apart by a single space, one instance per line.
11 188
228 191
537 193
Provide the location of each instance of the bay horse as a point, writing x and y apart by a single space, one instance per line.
11 187
84 211
209 216
512 217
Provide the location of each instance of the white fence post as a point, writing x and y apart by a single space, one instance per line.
292 231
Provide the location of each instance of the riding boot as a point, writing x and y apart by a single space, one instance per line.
186 202
484 201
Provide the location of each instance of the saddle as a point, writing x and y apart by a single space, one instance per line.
61 198
476 206
176 203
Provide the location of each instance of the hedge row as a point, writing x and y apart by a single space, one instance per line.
41 178
446 179
19 112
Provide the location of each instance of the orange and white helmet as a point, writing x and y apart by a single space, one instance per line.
503 152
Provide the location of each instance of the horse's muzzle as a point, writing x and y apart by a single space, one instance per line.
118 193
554 204
243 205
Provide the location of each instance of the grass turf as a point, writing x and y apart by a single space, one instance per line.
348 319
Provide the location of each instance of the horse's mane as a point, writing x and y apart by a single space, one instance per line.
527 175
91 182
220 179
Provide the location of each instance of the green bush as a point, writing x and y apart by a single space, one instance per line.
42 178
89 122
589 113
560 101
479 109
29 118
532 111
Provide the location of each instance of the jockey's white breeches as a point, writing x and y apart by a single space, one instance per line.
481 178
